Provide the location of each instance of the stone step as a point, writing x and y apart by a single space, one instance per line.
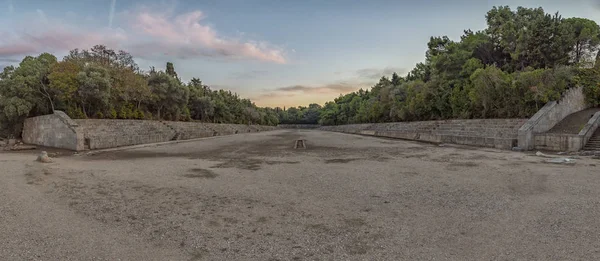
591 149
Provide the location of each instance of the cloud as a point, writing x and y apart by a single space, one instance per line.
111 14
328 88
145 35
295 95
184 36
272 95
248 74
54 39
377 73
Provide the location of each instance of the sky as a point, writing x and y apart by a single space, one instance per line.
275 52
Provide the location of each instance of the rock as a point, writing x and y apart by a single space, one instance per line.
517 149
43 158
567 161
11 142
22 147
540 154
589 153
561 153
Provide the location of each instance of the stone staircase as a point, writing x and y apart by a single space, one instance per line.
594 142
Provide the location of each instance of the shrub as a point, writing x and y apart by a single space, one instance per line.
112 113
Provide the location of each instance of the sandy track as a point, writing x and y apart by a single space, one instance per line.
254 197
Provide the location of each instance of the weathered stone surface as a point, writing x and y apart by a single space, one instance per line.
552 113
43 158
106 133
494 133
59 131
54 130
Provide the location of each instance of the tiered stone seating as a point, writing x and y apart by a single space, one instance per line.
100 134
499 133
191 130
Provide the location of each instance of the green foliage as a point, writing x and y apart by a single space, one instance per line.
75 113
126 112
112 113
589 78
584 36
140 115
94 89
170 70
168 95
522 60
103 83
489 92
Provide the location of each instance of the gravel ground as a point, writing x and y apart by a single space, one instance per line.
254 197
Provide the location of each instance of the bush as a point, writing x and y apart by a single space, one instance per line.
76 113
589 80
123 113
112 113
135 115
186 115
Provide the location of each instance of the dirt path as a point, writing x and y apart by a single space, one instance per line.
254 197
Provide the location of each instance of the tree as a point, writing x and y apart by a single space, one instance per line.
169 96
585 38
202 107
34 72
63 80
171 70
17 100
489 91
94 89
129 87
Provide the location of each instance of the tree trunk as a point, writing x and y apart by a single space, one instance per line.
83 108
44 92
577 52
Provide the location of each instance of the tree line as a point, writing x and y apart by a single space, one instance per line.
103 83
523 59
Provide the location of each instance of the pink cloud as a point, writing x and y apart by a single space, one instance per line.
146 35
56 38
183 35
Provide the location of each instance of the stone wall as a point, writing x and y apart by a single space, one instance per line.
567 142
557 142
54 130
59 131
193 130
552 113
495 133
298 126
100 134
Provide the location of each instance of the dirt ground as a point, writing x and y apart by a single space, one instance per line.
254 197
